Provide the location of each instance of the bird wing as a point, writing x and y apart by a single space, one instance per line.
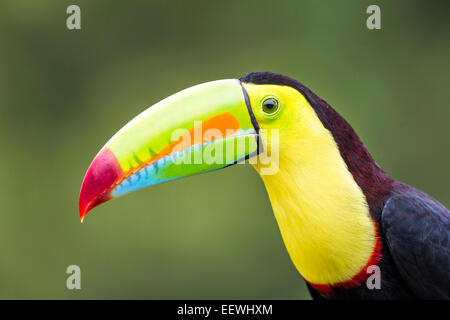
417 229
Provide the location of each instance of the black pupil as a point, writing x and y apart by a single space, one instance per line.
270 104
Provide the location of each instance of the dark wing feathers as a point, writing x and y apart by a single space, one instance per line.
417 228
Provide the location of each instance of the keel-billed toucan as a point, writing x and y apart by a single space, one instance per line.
341 216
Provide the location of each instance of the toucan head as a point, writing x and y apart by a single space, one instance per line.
203 128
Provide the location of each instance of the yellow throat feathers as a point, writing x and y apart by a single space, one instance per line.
321 211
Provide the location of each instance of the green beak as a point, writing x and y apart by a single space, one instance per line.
200 129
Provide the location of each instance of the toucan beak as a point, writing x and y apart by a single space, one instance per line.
202 128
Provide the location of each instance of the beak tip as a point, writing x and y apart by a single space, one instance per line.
83 212
84 208
103 172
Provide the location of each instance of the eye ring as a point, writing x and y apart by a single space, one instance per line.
270 106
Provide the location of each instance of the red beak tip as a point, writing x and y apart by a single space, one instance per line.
83 212
82 215
103 172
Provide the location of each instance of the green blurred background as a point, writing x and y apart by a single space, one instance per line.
64 93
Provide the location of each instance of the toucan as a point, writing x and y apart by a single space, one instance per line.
343 220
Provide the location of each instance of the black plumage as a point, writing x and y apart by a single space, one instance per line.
416 228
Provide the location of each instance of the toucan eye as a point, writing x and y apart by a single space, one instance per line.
270 105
